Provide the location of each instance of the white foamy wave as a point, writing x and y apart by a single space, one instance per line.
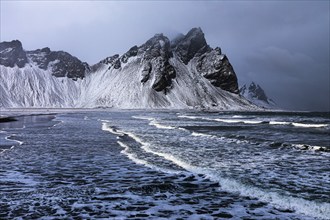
309 147
190 117
279 123
223 119
4 150
154 122
202 135
237 121
309 125
309 208
313 209
132 156
146 147
143 118
223 139
296 124
158 125
8 138
106 127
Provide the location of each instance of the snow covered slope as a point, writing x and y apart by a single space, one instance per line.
185 73
255 94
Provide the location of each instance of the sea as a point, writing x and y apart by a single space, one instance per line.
137 164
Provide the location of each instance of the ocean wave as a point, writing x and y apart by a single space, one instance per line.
158 125
155 123
8 149
299 205
142 117
9 138
225 120
309 125
302 206
132 156
202 135
106 127
279 123
313 209
238 121
295 124
144 146
300 146
310 147
190 117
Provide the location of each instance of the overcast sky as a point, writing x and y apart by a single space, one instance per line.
281 45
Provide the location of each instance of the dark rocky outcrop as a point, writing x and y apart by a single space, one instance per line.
62 63
130 53
156 53
191 45
216 67
146 72
113 61
12 54
211 63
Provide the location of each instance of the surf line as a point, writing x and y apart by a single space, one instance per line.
295 124
302 206
8 138
132 156
154 122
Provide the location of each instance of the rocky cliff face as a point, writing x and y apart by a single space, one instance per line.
255 94
183 73
190 48
62 64
12 53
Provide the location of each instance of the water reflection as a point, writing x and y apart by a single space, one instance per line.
23 121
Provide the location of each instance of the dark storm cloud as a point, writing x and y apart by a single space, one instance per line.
283 45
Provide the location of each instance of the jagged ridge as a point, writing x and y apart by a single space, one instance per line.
183 73
255 94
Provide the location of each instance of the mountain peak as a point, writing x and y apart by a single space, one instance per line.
191 44
195 31
12 54
182 73
256 95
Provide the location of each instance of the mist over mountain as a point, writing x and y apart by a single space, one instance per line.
183 73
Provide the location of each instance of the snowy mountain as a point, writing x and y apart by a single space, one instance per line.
255 94
182 73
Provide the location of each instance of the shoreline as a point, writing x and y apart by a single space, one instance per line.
60 110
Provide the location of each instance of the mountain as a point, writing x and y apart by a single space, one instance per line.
255 94
183 73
